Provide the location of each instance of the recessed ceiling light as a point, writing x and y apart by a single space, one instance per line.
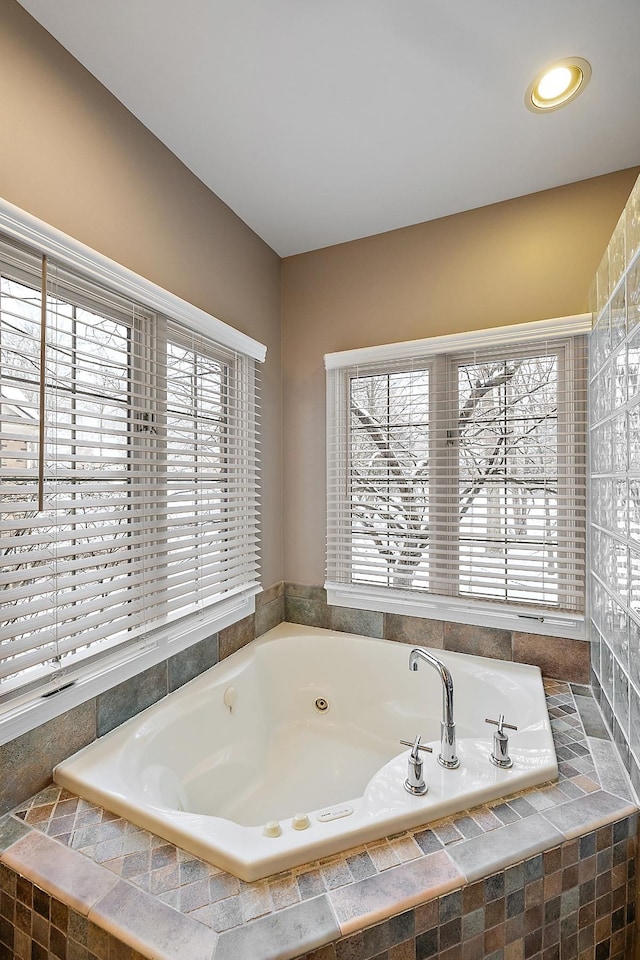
558 84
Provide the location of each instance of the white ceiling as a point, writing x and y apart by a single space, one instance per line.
320 121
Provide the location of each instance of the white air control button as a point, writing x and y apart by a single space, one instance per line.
334 813
300 821
272 829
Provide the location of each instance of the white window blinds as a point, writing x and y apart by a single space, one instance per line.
139 438
460 474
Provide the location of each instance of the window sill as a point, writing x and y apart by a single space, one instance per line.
475 612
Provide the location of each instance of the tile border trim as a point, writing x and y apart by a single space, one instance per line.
402 887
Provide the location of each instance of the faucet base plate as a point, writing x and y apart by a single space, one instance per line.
449 764
417 791
503 764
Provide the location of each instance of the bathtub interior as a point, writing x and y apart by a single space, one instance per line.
289 743
310 721
308 728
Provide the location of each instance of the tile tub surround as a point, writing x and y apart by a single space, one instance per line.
560 657
550 872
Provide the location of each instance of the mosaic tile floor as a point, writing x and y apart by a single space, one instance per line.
222 902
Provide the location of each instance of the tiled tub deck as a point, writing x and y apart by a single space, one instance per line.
549 873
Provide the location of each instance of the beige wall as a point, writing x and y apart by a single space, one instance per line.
74 157
527 259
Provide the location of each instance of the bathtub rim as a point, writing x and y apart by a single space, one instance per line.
186 829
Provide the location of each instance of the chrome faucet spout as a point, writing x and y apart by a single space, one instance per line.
448 756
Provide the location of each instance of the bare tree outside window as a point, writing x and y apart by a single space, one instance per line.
456 478
390 477
508 477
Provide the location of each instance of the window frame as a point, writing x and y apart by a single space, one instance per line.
31 708
479 612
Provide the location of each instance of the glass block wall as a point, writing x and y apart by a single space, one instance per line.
614 403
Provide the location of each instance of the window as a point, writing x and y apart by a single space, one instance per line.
128 480
457 478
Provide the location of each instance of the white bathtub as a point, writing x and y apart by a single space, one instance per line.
247 743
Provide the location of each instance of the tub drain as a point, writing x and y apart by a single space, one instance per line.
321 705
